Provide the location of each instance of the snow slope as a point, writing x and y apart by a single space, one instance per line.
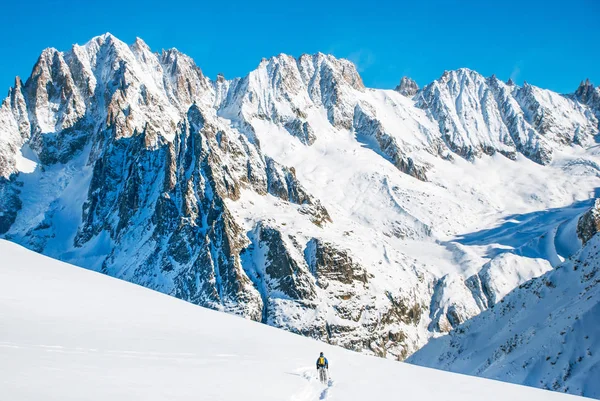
72 334
545 333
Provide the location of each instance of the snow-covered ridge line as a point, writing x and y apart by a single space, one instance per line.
475 115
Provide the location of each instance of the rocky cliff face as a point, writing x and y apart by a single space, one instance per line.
589 223
587 94
227 193
407 87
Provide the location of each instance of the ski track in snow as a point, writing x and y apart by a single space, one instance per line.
313 390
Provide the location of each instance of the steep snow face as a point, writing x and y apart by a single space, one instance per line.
478 115
545 333
72 334
295 196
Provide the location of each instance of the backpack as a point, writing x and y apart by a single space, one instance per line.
321 361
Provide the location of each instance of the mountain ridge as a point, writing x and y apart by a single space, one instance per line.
294 195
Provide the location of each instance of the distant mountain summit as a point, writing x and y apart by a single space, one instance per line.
407 87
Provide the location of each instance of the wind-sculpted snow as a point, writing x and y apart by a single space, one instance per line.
294 196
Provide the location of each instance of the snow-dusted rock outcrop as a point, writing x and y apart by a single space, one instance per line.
588 94
589 223
407 87
367 126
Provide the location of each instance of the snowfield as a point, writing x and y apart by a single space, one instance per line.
545 333
71 334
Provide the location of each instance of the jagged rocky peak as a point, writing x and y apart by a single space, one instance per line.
461 75
478 116
15 103
139 45
325 69
184 80
105 51
584 90
287 69
53 97
510 82
345 68
407 87
588 94
284 89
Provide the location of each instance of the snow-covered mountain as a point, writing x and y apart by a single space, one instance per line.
545 333
296 196
71 334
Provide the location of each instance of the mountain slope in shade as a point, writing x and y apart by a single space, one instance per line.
296 196
544 333
71 334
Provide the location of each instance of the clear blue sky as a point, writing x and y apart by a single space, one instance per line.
552 44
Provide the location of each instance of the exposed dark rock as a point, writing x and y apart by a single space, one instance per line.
585 92
301 130
407 87
284 273
167 162
10 204
330 263
589 223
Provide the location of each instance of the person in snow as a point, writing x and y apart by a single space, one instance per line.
322 364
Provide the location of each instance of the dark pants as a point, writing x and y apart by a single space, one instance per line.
322 374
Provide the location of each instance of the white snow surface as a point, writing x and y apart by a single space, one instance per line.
72 334
545 333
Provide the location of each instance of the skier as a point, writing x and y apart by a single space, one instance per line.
322 365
